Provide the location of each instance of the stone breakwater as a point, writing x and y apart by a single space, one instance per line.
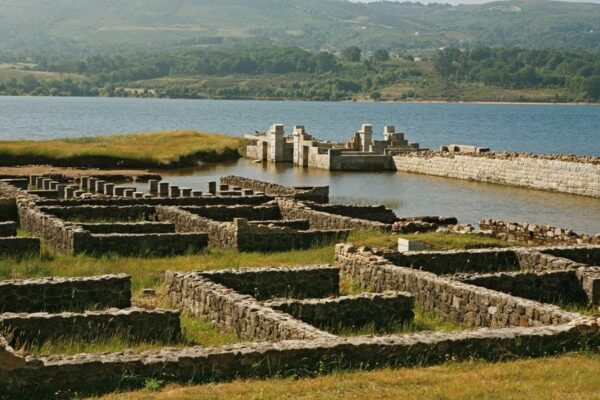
560 173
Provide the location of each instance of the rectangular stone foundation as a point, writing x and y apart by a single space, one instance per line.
65 294
135 324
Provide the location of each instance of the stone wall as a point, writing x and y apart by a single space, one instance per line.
383 310
90 213
455 261
105 372
227 213
265 283
371 213
298 224
65 294
319 194
291 209
548 287
234 312
136 324
148 244
8 209
19 247
535 234
220 234
470 305
133 228
582 254
8 229
567 174
165 201
252 237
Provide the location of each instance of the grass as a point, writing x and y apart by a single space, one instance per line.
571 376
195 332
423 321
149 272
156 148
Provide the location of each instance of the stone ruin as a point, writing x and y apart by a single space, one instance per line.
95 216
362 152
508 303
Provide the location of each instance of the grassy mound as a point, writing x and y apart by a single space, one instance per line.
154 149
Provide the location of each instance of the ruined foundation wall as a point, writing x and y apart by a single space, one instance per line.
576 175
319 194
291 209
470 305
265 283
383 310
453 261
535 234
136 324
65 294
233 312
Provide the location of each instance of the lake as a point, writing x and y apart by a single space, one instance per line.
510 127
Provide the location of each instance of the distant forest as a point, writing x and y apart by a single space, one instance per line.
293 73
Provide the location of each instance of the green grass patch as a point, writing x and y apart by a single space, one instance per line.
195 332
157 148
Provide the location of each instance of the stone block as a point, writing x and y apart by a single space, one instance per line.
405 245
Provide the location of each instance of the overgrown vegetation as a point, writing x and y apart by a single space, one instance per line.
143 148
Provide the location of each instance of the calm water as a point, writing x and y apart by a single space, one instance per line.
542 129
535 128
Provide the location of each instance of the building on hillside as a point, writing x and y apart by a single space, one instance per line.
360 153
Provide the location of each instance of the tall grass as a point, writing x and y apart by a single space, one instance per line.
155 147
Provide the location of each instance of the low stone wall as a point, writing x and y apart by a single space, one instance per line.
299 224
228 212
164 201
220 234
233 312
8 229
105 372
132 228
251 237
20 247
548 287
135 324
371 213
470 305
319 194
265 283
65 294
535 234
567 174
8 209
383 310
90 213
531 260
149 244
291 209
456 261
583 254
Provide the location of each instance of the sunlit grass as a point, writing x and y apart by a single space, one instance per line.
363 201
423 321
571 376
195 332
156 147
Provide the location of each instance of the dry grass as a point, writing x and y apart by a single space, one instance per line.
572 376
154 147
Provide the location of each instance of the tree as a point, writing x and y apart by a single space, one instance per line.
381 55
592 87
352 53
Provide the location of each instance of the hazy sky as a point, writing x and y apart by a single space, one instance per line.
468 1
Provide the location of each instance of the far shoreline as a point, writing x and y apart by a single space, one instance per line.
365 101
